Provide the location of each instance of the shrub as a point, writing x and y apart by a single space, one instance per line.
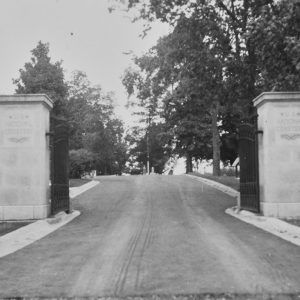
80 161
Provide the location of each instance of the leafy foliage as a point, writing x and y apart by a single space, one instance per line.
94 128
80 161
275 34
155 140
96 135
218 57
41 76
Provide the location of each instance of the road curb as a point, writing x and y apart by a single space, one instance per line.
219 186
26 235
75 191
282 229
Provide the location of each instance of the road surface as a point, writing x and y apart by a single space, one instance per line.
143 235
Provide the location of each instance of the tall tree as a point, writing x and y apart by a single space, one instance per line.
275 35
78 108
96 134
146 101
184 70
139 143
41 76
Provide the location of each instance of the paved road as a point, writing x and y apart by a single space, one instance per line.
152 235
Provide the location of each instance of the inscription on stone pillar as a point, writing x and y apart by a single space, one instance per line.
17 129
288 126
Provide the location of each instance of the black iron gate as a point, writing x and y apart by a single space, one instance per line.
249 175
60 200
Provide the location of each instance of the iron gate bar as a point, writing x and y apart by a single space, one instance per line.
249 175
60 200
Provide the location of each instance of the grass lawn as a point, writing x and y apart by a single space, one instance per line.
78 182
7 227
230 181
295 222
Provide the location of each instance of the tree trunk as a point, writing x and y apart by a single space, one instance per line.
189 166
216 141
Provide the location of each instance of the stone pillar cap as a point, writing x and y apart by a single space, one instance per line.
276 96
28 98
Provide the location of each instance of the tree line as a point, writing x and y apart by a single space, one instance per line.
198 82
191 90
96 136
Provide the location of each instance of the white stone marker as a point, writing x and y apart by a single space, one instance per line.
24 157
279 153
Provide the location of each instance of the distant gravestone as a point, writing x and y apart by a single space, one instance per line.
279 153
24 157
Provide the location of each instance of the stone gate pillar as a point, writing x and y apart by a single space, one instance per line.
24 157
279 153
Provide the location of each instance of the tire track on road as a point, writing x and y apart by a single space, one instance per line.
119 286
146 242
136 249
133 243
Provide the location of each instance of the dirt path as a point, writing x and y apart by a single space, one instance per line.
152 235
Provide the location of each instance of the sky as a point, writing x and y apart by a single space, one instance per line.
81 33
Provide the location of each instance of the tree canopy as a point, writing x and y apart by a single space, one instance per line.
218 56
96 135
94 127
192 89
41 76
